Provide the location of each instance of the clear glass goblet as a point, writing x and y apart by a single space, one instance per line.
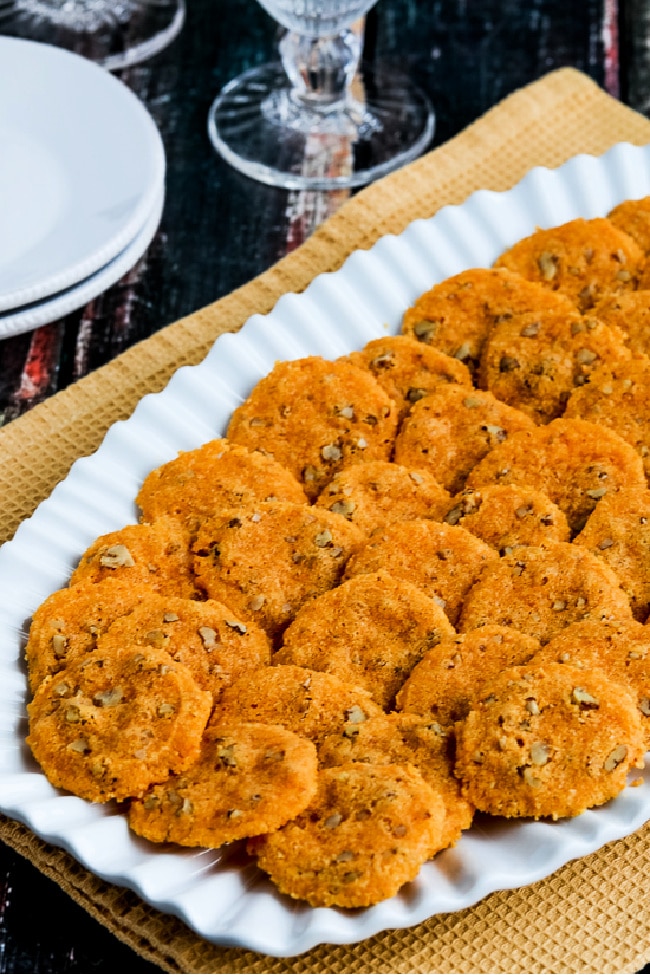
314 120
114 33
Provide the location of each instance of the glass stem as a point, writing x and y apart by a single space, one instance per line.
320 69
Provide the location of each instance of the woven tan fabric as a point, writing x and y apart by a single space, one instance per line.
593 915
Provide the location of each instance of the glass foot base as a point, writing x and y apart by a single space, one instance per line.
114 33
259 129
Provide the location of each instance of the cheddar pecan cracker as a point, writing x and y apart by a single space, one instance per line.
248 779
370 631
316 417
110 724
548 742
375 494
197 483
582 259
366 833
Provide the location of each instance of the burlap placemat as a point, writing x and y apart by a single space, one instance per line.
593 915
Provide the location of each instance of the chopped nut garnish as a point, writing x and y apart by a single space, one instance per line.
547 264
424 330
257 602
324 538
344 508
116 557
170 618
383 361
586 357
615 758
333 821
530 331
186 808
356 714
165 710
59 644
208 637
580 696
539 753
508 363
310 473
236 625
498 432
530 778
416 393
227 756
79 745
156 638
453 517
331 452
109 698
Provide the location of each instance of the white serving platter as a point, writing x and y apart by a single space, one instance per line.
221 899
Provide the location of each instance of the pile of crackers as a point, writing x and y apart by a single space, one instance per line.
407 584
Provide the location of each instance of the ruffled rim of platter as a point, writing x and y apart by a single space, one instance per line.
219 894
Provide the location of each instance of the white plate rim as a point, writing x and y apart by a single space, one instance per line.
53 308
220 901
151 160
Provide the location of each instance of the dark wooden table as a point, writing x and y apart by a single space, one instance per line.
220 229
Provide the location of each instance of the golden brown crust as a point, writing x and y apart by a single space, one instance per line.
449 432
534 361
582 259
154 555
197 483
265 560
456 315
375 494
307 702
633 217
548 742
316 417
111 724
443 561
617 397
443 685
619 533
71 621
539 591
369 631
506 516
407 739
248 779
408 370
574 462
630 312
365 834
620 648
204 636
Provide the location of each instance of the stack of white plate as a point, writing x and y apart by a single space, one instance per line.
82 182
